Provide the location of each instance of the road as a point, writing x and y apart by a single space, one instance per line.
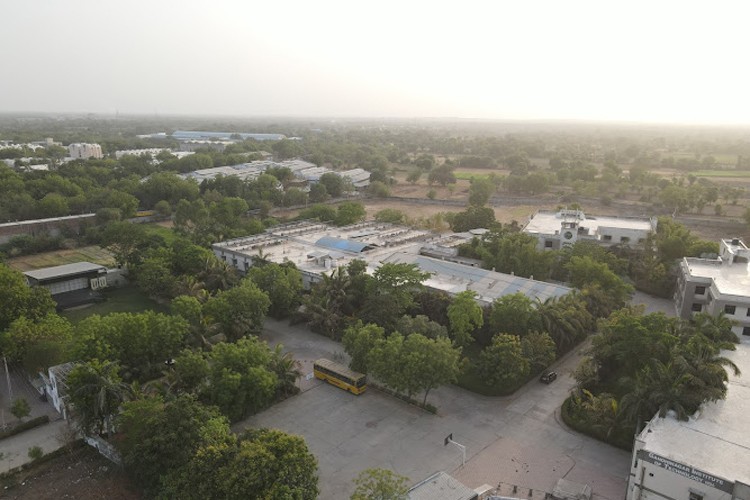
516 440
15 449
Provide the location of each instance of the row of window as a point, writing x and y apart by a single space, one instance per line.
728 309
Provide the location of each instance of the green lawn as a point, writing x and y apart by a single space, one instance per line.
127 299
467 176
165 232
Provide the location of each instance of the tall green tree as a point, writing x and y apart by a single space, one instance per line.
380 484
240 310
358 341
465 317
96 392
503 362
283 285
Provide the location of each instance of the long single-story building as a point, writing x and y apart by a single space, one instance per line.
70 284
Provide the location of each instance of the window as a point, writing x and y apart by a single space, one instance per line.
625 239
700 290
748 312
548 244
607 237
695 496
729 309
746 331
697 307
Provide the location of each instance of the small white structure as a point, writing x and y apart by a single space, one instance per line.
718 285
56 388
79 150
555 230
704 458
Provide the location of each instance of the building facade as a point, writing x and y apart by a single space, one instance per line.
718 285
704 458
555 230
84 151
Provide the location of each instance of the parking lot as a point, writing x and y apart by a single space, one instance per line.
516 440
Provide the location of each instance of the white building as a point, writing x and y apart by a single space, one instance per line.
704 458
79 150
317 248
717 285
555 230
56 387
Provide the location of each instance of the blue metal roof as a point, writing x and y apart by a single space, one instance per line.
343 245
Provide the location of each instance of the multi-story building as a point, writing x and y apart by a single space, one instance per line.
555 230
704 458
719 285
79 150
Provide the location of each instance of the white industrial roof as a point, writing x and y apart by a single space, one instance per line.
64 270
716 439
544 222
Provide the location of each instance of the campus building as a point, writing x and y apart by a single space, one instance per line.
70 284
704 458
555 230
316 248
84 151
718 285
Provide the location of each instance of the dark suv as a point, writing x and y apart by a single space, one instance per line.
548 377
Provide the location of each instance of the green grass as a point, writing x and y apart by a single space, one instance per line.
467 176
721 173
165 232
127 299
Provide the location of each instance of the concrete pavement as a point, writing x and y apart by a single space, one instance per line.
15 449
516 440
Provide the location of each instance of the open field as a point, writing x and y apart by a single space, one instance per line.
94 254
740 174
127 299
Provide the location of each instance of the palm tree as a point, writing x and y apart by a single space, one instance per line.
191 286
218 275
565 320
717 328
287 369
96 392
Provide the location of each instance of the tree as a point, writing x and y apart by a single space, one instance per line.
566 319
240 380
421 324
283 285
515 314
96 392
318 193
539 349
465 316
139 343
333 183
390 215
480 191
358 341
20 408
287 370
474 217
260 464
584 271
159 436
240 310
380 484
18 299
503 362
349 212
326 305
514 252
442 175
38 344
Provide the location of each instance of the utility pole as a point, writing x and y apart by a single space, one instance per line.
7 377
449 440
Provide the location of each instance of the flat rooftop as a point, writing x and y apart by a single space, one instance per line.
544 222
729 279
63 271
716 439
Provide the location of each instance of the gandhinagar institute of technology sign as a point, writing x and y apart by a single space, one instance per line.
686 471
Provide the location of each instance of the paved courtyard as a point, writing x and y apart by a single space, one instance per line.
516 440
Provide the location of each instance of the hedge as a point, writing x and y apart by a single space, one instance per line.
25 426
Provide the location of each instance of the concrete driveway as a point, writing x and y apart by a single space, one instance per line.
516 440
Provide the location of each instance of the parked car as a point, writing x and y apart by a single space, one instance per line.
548 377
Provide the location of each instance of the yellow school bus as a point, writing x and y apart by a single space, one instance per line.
340 376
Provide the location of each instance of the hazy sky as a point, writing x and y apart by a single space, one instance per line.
656 60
